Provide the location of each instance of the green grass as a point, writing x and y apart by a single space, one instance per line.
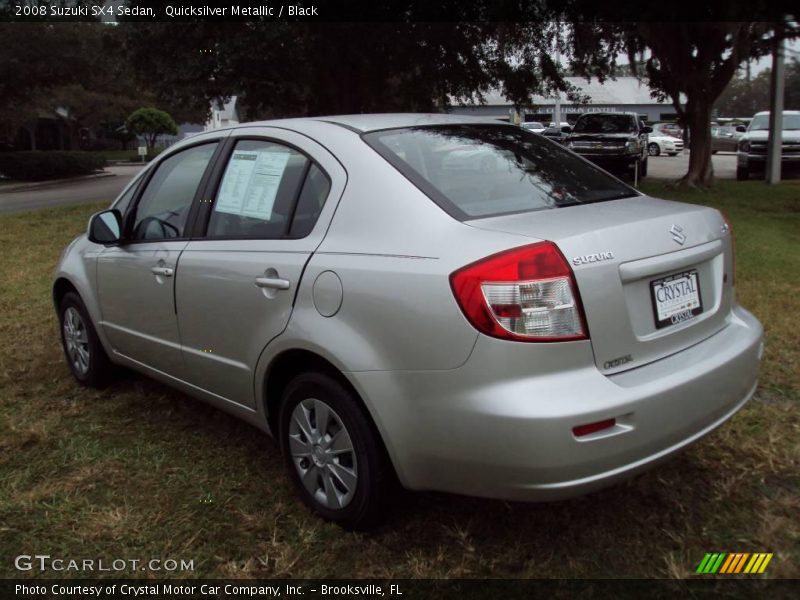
127 471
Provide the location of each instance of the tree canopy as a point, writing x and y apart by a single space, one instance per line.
744 98
149 123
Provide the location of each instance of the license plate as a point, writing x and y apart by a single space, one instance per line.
676 298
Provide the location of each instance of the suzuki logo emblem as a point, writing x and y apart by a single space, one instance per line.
677 234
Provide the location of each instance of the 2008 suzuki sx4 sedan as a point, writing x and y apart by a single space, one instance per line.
452 303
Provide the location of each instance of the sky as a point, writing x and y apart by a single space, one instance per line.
792 50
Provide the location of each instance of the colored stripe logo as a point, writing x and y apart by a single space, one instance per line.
734 562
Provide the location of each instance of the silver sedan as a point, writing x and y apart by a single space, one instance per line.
396 313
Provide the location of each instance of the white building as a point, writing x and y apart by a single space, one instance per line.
223 115
623 94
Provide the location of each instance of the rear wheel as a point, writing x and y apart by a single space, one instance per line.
742 173
86 357
653 149
334 456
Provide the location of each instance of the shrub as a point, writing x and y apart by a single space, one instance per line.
150 123
39 166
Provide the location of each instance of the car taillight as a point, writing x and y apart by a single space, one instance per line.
526 294
733 246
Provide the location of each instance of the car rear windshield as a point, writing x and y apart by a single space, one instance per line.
475 171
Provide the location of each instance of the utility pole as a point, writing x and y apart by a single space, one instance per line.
776 88
557 108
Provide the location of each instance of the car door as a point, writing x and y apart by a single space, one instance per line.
273 196
135 279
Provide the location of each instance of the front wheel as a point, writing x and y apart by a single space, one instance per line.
653 149
334 456
85 355
643 168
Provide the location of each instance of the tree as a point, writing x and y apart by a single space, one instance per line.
150 123
744 98
688 62
696 60
418 63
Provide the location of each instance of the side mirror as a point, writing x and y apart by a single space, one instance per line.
566 129
105 227
741 128
647 129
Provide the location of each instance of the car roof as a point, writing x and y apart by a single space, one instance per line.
786 112
373 122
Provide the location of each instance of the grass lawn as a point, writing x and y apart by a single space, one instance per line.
140 471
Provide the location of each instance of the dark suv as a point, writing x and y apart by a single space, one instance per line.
615 141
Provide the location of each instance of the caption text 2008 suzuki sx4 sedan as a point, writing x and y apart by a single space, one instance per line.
455 304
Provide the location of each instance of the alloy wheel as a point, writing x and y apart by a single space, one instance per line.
322 452
76 340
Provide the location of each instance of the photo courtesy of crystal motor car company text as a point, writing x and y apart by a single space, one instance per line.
505 319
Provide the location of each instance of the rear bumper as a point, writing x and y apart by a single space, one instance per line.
501 425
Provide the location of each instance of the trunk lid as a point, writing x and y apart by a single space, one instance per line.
619 250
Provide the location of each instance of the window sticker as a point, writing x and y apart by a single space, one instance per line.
251 182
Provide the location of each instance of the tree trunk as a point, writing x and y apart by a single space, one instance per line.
701 169
32 134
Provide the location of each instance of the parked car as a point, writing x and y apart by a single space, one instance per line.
668 129
724 138
663 144
616 141
534 126
532 333
751 155
557 134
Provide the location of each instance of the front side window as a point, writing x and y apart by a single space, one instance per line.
258 192
124 201
486 170
164 207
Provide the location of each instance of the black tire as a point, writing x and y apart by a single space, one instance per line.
714 151
95 370
653 149
367 504
673 154
643 168
742 174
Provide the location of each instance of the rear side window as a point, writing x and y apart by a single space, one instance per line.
309 205
475 171
257 195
